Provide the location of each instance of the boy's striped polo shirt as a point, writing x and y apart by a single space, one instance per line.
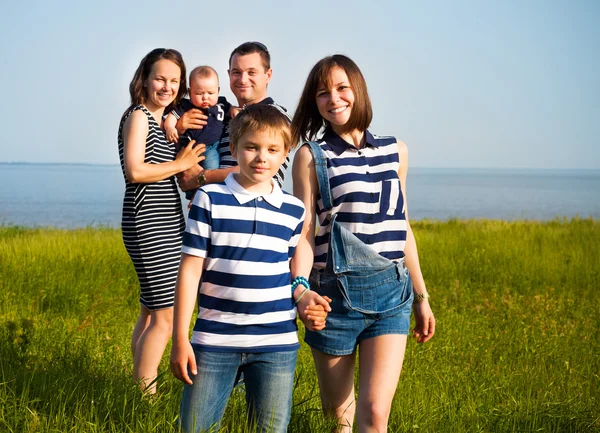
247 240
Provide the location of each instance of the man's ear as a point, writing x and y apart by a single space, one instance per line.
269 74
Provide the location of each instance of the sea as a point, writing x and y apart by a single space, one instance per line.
87 195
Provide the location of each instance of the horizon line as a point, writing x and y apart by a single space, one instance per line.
418 167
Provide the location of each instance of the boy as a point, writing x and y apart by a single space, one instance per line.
240 238
204 95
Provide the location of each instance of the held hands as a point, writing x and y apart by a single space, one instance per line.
313 310
424 321
190 156
182 356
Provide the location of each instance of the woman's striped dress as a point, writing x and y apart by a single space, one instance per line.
153 222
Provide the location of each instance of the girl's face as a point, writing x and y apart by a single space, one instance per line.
335 102
162 83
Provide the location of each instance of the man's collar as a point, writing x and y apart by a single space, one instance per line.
267 101
243 196
339 145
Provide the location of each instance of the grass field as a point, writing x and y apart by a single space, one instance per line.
516 348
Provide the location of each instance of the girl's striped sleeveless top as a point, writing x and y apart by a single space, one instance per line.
366 195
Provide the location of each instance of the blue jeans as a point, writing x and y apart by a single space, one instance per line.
211 156
211 161
269 379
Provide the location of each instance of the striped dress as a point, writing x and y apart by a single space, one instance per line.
366 194
152 222
245 302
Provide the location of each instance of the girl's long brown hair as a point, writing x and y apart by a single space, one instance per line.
307 121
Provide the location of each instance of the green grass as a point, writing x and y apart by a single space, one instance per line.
516 348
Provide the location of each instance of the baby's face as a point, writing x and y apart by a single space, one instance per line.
204 91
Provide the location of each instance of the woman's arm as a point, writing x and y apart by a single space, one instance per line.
135 131
425 321
306 188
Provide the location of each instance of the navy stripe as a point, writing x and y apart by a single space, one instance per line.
231 253
362 177
227 305
357 196
259 329
195 241
253 349
246 281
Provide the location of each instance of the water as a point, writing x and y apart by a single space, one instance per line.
80 195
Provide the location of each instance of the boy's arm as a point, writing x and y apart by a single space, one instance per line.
170 125
182 354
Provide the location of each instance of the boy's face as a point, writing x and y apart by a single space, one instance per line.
259 155
248 79
204 91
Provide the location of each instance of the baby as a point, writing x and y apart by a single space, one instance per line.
204 95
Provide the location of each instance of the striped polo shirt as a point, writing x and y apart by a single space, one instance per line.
245 302
366 194
228 161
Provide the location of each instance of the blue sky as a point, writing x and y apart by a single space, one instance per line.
465 84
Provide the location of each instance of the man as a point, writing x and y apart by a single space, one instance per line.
249 74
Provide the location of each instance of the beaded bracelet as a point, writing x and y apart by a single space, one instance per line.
297 281
300 281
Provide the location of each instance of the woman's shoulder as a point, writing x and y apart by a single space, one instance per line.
135 117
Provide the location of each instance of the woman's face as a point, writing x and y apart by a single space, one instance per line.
335 102
162 83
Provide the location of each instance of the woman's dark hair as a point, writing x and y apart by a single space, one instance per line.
137 92
307 121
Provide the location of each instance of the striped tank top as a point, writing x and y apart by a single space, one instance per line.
366 194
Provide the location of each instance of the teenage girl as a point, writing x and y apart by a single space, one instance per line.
353 184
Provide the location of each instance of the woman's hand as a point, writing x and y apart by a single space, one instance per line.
424 321
190 156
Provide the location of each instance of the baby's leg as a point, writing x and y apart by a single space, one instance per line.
211 157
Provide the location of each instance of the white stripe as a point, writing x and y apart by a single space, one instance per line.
246 319
244 340
245 294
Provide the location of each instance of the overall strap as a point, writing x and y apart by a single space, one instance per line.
322 178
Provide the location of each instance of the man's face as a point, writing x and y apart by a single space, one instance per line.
248 78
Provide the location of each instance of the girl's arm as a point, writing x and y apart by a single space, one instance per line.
135 131
425 321
312 307
182 354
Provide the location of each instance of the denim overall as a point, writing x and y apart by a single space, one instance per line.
370 294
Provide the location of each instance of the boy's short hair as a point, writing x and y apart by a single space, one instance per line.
203 72
253 47
260 117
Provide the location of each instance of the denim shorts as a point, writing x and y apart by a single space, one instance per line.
364 305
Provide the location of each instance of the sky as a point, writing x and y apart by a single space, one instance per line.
465 84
